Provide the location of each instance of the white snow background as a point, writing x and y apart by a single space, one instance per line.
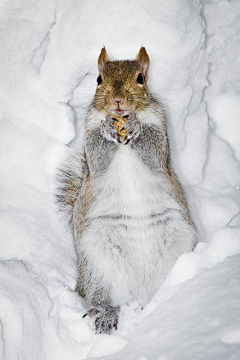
48 57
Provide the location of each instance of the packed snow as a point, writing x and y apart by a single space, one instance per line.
48 56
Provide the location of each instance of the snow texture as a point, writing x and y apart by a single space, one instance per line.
48 55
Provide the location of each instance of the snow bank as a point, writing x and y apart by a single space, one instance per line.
199 321
48 76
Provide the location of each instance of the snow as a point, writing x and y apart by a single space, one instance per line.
192 323
48 73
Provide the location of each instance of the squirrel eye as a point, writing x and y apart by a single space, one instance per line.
140 79
99 80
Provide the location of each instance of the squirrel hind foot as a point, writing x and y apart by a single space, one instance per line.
106 318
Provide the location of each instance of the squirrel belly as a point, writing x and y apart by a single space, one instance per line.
135 230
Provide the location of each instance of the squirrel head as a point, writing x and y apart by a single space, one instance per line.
121 85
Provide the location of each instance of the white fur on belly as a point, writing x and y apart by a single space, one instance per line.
129 247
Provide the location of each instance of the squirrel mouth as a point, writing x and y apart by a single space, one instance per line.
119 112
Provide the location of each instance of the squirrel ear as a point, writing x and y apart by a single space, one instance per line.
143 60
103 59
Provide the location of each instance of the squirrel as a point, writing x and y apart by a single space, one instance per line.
127 209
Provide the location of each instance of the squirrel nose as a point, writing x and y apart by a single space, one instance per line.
118 101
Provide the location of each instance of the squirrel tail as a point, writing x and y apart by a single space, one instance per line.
69 181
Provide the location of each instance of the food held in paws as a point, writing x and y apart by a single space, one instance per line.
119 124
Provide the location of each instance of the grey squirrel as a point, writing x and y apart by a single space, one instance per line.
126 207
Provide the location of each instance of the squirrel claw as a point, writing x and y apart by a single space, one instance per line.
91 313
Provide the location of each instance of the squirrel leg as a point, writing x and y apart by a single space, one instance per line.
106 318
100 309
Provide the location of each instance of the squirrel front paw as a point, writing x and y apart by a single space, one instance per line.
128 133
109 131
